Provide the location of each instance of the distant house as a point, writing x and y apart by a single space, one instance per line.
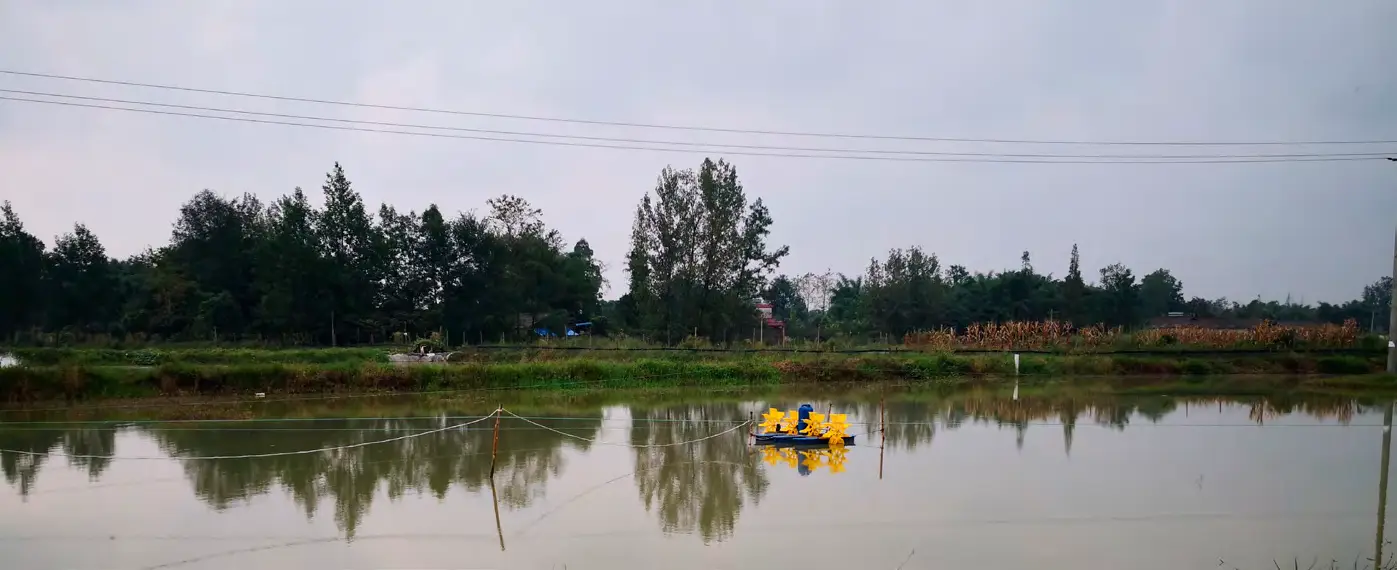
769 321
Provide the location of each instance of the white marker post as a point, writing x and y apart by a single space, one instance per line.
1016 377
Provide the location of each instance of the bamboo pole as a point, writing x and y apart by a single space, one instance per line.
1382 485
882 429
494 449
496 499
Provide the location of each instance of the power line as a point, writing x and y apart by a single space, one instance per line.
676 127
688 144
703 150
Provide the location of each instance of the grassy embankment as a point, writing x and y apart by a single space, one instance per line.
1038 399
59 373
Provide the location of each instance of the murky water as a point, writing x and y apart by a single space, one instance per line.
970 480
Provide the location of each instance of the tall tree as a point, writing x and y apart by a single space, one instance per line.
403 291
637 308
1074 291
214 245
701 250
785 299
22 265
346 236
1120 296
1160 293
80 282
291 274
583 279
1378 300
434 256
814 290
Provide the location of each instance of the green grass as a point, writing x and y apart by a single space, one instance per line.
99 373
163 356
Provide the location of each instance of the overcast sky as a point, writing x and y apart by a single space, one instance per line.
1109 70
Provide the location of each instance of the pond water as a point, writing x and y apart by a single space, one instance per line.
967 480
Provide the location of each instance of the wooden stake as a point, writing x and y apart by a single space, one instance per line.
882 429
495 448
496 499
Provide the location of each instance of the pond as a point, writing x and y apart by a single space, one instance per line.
977 479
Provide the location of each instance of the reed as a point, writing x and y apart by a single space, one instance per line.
1063 336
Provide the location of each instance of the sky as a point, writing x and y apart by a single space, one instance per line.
1189 70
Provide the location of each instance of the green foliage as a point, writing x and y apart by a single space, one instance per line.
698 257
428 345
159 357
1197 367
22 265
1342 365
105 374
289 273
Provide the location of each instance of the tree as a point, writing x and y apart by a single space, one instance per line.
405 295
814 290
513 216
433 256
1160 293
698 254
214 245
291 273
907 292
786 303
346 237
1378 300
847 306
22 264
1120 295
637 306
583 278
80 282
1074 291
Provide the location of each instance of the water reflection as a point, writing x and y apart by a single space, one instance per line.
21 470
699 488
350 478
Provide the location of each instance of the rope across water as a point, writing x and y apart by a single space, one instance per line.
598 442
496 413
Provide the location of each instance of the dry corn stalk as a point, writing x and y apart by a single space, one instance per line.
1045 335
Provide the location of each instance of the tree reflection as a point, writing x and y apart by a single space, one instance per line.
22 470
528 457
697 487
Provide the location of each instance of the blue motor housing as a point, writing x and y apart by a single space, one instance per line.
803 414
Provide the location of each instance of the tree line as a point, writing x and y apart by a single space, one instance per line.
291 272
910 290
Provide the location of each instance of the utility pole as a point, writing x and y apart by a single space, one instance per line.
1382 484
1392 317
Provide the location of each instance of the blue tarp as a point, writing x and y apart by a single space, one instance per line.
546 332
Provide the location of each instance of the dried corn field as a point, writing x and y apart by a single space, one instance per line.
1059 335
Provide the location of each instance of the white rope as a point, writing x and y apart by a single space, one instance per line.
256 455
598 442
